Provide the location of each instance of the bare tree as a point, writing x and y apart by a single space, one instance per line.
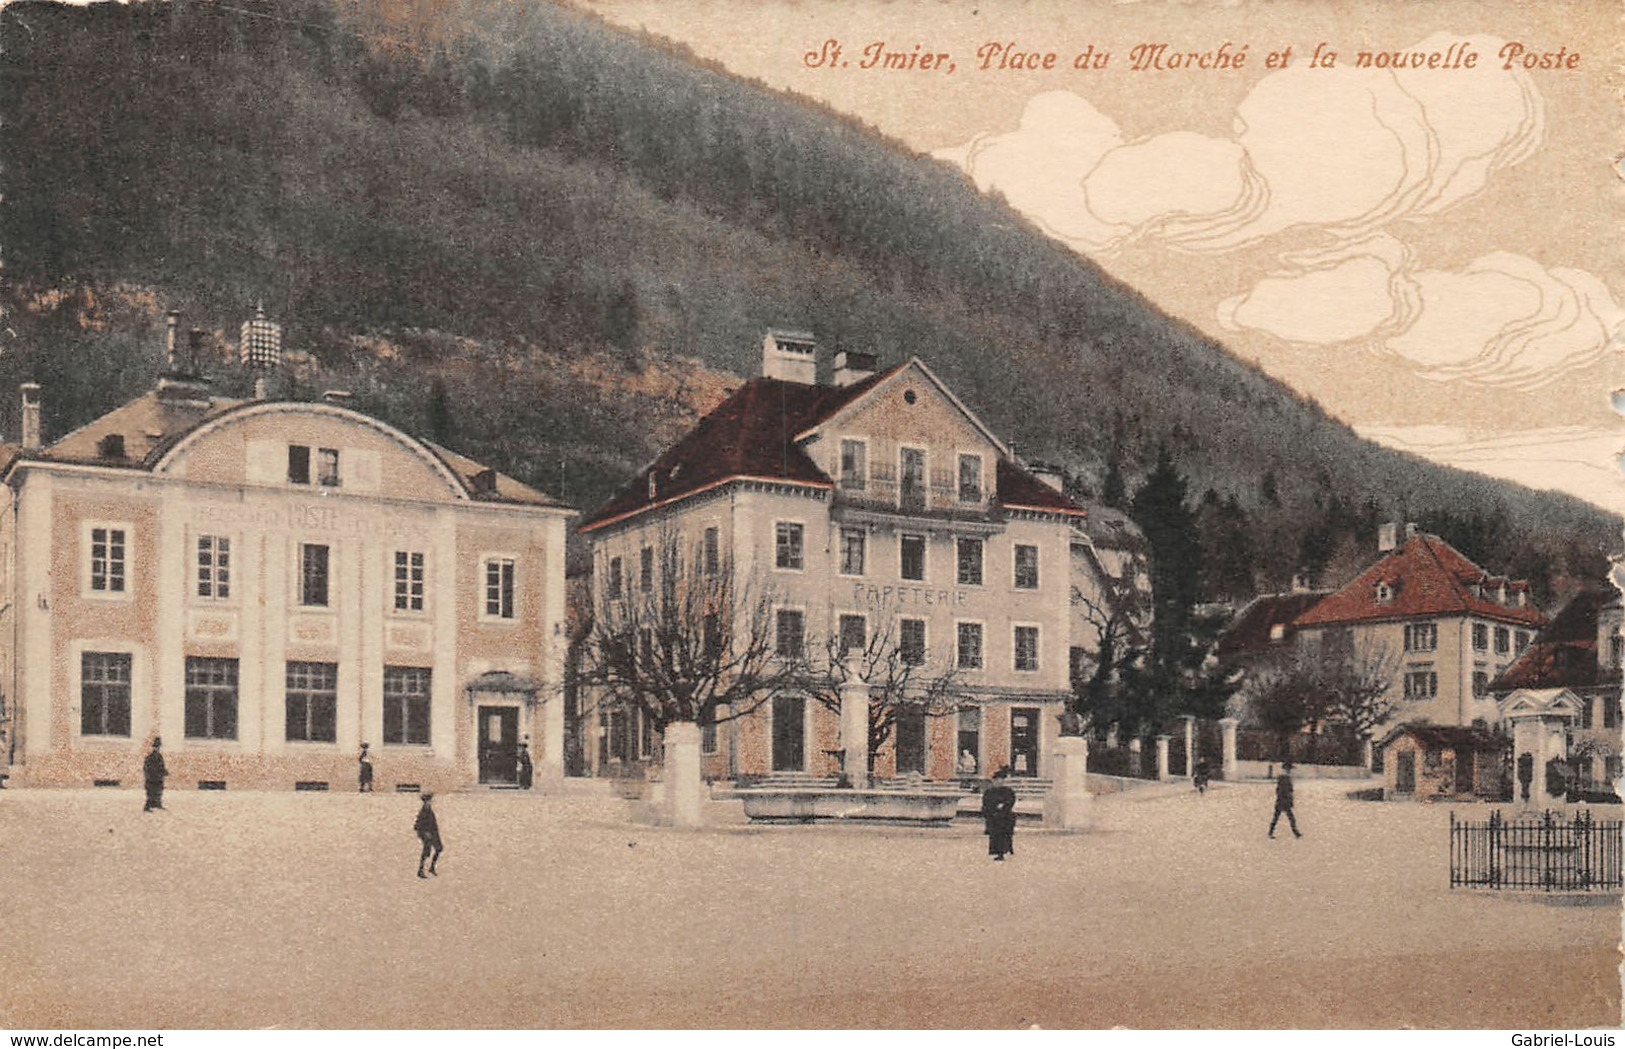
687 641
1359 678
1307 687
900 680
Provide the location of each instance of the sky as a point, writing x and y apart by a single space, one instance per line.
1431 252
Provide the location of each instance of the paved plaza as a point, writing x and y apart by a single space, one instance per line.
245 910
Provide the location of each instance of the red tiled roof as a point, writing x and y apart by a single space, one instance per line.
1251 629
1455 737
753 434
1428 576
1564 655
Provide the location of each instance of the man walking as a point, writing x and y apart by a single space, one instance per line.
1283 801
428 829
152 774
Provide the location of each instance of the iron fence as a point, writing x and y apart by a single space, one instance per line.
1549 852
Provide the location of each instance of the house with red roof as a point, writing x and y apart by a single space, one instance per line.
1449 626
1580 650
872 504
267 585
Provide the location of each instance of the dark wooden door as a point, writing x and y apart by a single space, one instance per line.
499 744
1464 772
1405 772
910 741
789 734
1024 741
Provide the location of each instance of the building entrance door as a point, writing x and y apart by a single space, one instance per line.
789 734
1024 741
1464 771
910 732
499 744
1405 772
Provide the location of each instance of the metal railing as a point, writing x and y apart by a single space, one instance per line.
1549 852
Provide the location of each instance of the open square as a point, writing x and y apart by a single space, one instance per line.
246 910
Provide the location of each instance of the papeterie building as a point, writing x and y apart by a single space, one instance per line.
872 503
266 585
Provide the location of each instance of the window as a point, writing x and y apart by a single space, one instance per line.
911 491
1026 567
911 642
1616 650
213 566
646 735
406 705
1481 682
1610 711
912 555
1503 640
612 585
711 551
1481 637
107 552
1385 593
313 694
708 738
969 649
104 694
1026 648
1421 637
969 759
408 581
327 467
298 464
646 649
789 637
499 577
787 545
711 636
1077 663
970 562
854 464
854 634
970 478
211 698
852 544
646 569
1521 640
313 575
1421 683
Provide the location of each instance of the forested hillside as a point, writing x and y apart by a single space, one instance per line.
548 244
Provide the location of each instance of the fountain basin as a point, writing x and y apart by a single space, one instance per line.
805 805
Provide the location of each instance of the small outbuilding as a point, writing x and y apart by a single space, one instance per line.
1444 761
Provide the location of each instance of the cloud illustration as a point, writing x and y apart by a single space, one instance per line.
1503 319
1344 151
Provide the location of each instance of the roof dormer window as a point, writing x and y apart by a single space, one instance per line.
1385 593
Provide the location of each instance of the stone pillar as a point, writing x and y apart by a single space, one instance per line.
1190 746
855 726
550 766
1162 758
1227 746
1136 759
1529 737
1068 806
1367 759
1111 736
683 800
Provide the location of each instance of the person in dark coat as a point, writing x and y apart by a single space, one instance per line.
1283 801
999 816
366 770
153 773
527 771
428 829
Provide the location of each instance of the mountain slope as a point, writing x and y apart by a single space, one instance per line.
510 199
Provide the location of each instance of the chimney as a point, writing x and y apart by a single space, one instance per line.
31 414
171 327
1410 531
1387 536
853 366
1049 474
259 387
791 356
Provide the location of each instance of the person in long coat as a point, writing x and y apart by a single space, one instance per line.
1283 801
153 773
428 831
999 816
366 770
527 770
